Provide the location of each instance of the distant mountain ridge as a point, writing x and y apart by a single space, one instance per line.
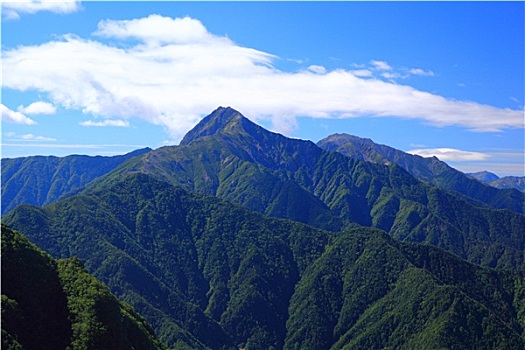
209 274
430 170
228 156
483 176
55 305
516 182
41 180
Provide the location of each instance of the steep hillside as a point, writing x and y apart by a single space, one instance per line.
483 176
506 182
200 270
41 180
214 275
515 182
49 304
370 292
430 170
228 156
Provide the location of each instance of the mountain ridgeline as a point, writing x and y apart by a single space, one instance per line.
243 238
50 304
516 182
229 157
209 274
42 180
430 170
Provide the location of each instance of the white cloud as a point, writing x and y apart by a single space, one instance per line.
174 71
31 137
159 30
13 9
380 65
317 69
450 154
38 107
107 122
12 136
420 72
362 73
11 116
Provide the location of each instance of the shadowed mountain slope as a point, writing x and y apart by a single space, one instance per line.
430 170
50 304
228 156
202 271
214 275
41 180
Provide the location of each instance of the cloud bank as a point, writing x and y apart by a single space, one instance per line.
11 116
172 72
13 9
38 107
107 122
450 154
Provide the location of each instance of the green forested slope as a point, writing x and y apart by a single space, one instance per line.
228 156
191 265
430 170
370 292
209 274
41 180
49 304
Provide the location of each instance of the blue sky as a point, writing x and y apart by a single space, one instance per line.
430 78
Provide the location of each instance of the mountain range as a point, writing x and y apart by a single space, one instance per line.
243 238
50 304
42 180
516 182
429 170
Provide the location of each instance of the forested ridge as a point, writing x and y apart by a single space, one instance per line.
243 238
208 274
56 304
230 157
430 170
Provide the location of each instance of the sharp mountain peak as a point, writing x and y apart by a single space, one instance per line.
221 119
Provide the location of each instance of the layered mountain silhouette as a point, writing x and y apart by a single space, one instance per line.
209 274
228 156
50 304
42 180
516 182
243 238
429 170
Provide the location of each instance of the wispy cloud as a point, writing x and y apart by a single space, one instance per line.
107 122
317 69
450 154
421 72
11 116
11 136
13 9
172 71
362 73
380 65
38 107
31 137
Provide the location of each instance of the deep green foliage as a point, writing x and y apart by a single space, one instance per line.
196 263
34 316
369 292
228 156
49 304
430 170
41 180
209 274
